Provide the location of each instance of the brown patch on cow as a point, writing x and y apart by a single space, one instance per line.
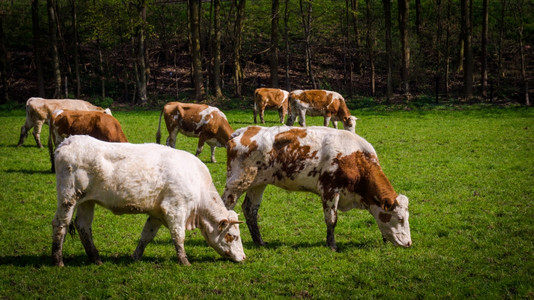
289 154
384 217
359 173
229 238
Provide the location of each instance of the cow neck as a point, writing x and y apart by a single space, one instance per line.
378 188
211 212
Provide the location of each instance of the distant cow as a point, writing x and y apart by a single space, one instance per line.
337 165
270 98
328 104
38 111
64 123
207 123
172 186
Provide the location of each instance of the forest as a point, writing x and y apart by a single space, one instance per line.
146 52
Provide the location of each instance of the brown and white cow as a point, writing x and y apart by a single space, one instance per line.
330 105
337 165
172 186
270 98
64 123
206 122
38 111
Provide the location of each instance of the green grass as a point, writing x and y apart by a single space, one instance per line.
469 174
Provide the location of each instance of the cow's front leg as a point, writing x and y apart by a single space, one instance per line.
23 133
334 123
250 207
59 228
212 147
83 222
176 223
282 113
37 133
302 117
171 140
150 230
330 217
200 145
262 115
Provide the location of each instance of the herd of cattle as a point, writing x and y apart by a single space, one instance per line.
95 164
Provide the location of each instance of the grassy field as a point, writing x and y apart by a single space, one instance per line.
469 174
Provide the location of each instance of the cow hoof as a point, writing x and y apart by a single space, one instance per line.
334 248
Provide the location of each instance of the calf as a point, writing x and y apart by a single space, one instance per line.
337 165
173 187
207 123
270 98
38 111
330 105
64 123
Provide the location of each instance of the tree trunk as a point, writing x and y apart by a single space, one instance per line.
3 62
520 27
358 47
447 50
75 50
141 60
238 34
274 43
417 17
370 44
468 50
500 71
196 56
307 25
484 54
286 38
217 50
438 49
404 6
37 49
389 55
54 43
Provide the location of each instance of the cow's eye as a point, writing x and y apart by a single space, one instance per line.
401 220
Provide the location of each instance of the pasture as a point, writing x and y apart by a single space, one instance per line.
468 173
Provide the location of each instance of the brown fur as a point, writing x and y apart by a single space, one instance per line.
270 98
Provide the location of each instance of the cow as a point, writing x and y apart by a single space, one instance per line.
206 122
270 98
38 111
339 166
173 187
328 104
64 123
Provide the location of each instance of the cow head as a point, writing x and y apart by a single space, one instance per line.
225 238
349 123
393 223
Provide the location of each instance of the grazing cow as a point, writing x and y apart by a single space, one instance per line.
329 104
337 165
270 98
64 123
207 123
172 186
38 111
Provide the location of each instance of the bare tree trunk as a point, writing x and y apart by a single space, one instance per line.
520 27
389 55
355 13
238 34
196 57
4 97
307 25
37 49
438 48
500 71
75 50
274 43
217 50
468 50
286 38
370 44
404 6
417 17
54 43
447 50
484 54
101 69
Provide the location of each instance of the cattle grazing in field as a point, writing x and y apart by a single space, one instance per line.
270 98
206 122
38 111
172 186
337 165
64 123
328 104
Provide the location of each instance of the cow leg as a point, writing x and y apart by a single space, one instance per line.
213 153
262 115
334 123
178 236
291 117
255 112
51 152
83 222
302 117
330 217
200 145
150 230
326 121
250 207
60 223
282 113
24 132
171 140
37 133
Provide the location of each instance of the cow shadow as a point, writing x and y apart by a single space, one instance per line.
28 172
342 246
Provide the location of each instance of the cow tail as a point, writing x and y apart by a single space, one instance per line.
158 133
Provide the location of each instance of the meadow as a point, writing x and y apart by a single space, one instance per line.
468 172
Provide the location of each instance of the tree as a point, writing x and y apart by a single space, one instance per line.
370 44
274 43
194 21
518 15
54 44
37 50
468 50
404 6
484 50
3 62
142 67
75 48
286 40
389 55
217 50
306 14
238 30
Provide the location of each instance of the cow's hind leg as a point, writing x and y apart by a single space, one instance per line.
176 224
150 230
37 133
83 222
330 217
282 114
250 207
24 133
60 223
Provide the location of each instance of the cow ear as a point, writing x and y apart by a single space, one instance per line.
389 204
222 224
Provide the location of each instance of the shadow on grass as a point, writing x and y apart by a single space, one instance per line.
29 172
319 244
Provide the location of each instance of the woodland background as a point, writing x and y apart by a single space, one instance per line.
145 52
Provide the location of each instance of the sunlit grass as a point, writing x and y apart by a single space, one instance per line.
468 174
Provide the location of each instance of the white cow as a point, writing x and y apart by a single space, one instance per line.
173 187
337 165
